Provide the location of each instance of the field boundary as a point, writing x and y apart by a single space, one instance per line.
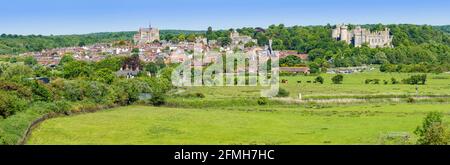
35 123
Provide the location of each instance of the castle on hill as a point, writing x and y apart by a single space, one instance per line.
360 36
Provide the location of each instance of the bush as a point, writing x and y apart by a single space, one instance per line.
410 100
337 79
432 131
41 92
158 100
416 80
319 79
95 91
283 93
10 104
62 107
22 91
200 95
262 101
376 81
394 81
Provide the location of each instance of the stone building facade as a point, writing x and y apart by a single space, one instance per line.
237 39
146 35
360 36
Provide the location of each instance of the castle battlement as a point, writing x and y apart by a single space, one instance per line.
359 36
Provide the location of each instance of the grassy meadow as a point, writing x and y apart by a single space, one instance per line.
358 124
231 115
352 86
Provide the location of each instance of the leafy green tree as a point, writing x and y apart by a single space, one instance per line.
380 58
291 61
181 37
152 68
282 93
104 75
432 131
319 79
95 91
314 67
262 101
190 37
210 35
111 63
10 104
249 44
224 41
41 92
30 60
76 69
66 59
337 79
18 72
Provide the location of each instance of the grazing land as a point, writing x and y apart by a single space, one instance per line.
232 115
352 86
356 124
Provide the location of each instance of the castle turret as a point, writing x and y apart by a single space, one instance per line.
336 32
344 34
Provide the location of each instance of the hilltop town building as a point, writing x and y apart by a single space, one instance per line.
237 39
146 35
360 36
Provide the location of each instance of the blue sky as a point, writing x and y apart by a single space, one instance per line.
86 16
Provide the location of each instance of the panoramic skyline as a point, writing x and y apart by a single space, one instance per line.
83 16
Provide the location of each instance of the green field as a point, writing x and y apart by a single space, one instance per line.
353 86
357 124
231 115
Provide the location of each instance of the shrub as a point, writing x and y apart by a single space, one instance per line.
62 107
282 93
22 91
376 81
41 92
158 100
200 95
95 91
337 79
104 76
319 79
432 131
410 100
10 104
416 80
262 101
17 72
394 81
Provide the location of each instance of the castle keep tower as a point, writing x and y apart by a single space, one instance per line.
360 36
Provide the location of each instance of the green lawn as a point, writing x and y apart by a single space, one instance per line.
350 124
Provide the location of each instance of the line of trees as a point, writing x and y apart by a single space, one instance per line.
25 93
